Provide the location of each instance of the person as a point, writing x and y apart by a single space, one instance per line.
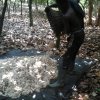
73 20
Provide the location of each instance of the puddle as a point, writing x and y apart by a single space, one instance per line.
19 53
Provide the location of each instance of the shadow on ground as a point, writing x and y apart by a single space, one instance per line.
82 66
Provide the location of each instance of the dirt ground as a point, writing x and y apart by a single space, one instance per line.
18 34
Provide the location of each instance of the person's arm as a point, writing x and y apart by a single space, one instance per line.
47 9
53 5
77 8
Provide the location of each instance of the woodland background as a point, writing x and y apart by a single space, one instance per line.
23 25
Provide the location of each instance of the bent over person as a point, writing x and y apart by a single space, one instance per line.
73 20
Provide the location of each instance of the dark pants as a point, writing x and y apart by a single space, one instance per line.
70 55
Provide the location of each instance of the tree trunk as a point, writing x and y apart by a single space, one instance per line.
36 5
47 2
8 9
98 17
21 7
30 13
90 12
14 7
2 2
2 16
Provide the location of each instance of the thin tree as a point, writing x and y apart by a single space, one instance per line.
21 6
8 8
30 13
47 2
98 17
2 16
36 5
2 1
90 5
14 7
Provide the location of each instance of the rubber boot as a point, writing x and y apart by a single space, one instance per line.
60 79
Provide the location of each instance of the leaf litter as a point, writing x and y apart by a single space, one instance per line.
23 75
18 34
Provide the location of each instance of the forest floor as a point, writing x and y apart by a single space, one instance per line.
18 35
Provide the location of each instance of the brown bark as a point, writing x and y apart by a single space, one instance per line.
2 16
90 12
30 13
47 2
21 7
98 17
36 5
